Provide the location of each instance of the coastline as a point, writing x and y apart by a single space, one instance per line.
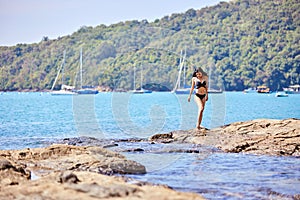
85 169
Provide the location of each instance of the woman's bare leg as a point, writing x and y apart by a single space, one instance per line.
200 103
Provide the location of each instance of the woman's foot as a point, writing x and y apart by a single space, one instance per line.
198 127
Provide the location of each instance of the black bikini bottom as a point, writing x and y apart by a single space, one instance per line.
201 96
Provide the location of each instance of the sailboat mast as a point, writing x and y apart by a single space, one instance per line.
209 75
81 68
184 70
180 65
62 71
177 84
141 79
134 88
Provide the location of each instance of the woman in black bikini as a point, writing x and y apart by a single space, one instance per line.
200 83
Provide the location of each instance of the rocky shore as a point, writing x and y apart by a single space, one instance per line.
73 172
82 168
262 136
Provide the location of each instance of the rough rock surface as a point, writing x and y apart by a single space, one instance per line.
88 185
262 136
75 172
67 157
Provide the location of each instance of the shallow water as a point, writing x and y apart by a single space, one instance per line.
224 176
214 174
37 119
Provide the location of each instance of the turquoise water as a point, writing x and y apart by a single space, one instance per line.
36 119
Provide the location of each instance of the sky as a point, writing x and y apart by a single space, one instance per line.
28 21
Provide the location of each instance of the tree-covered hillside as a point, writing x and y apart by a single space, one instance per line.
241 44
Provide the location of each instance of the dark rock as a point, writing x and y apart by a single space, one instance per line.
68 177
5 164
162 136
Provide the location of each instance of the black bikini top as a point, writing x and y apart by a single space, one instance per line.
199 84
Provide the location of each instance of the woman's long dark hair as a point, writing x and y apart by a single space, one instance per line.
199 70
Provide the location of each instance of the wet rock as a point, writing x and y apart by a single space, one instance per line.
131 140
262 136
134 150
86 141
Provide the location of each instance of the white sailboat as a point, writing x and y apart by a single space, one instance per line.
178 89
141 90
65 89
84 89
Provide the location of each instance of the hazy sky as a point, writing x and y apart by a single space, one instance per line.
28 21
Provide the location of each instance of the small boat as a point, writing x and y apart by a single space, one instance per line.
141 90
250 90
87 90
263 89
281 94
292 89
215 91
63 92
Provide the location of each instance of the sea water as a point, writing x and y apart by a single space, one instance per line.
36 119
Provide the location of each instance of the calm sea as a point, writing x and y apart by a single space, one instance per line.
35 119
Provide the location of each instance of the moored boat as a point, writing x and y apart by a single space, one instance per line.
182 68
84 89
250 90
281 94
292 89
215 90
65 89
63 92
263 89
141 90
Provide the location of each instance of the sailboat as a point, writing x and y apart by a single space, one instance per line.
84 89
65 89
141 90
178 89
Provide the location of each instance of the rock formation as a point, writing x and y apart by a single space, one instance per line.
262 136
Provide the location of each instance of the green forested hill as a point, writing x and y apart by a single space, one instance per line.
241 44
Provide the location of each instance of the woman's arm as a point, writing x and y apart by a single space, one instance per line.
207 86
191 90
